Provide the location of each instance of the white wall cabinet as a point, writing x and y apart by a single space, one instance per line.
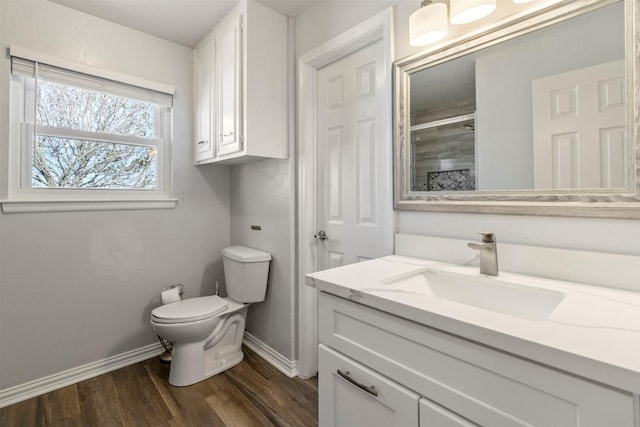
228 67
203 148
240 88
459 382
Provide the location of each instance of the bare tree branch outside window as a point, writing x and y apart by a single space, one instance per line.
85 163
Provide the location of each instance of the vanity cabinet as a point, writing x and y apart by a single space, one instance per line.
450 381
360 397
240 88
353 395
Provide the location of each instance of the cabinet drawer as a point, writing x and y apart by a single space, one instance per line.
434 415
351 395
477 382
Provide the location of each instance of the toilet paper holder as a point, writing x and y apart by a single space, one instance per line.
177 285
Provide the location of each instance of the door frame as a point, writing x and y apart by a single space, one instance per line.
379 27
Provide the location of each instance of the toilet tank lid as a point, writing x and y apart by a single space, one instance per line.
245 254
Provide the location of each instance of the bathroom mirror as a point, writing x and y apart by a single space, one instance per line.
535 114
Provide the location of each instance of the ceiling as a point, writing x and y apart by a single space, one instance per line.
182 21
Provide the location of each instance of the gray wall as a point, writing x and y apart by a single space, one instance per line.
263 194
79 287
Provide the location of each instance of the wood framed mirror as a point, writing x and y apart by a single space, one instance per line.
535 114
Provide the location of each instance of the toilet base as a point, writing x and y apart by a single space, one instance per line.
195 362
182 376
227 358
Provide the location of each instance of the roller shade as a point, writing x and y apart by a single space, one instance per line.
26 67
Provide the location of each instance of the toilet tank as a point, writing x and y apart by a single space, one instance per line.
246 271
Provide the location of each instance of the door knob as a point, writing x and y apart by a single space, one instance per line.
321 235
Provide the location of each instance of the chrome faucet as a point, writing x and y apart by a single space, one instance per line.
488 254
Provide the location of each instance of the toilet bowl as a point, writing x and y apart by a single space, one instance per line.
206 332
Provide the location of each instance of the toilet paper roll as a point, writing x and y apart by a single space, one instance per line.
170 295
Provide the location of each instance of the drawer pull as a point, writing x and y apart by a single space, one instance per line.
202 142
371 389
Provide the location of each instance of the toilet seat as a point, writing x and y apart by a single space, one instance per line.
189 310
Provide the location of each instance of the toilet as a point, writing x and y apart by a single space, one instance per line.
206 332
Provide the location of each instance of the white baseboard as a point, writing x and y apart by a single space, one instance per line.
49 383
281 363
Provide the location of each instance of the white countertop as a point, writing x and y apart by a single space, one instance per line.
594 332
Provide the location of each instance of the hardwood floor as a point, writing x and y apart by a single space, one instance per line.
252 393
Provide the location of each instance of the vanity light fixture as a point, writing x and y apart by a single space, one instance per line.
428 24
465 11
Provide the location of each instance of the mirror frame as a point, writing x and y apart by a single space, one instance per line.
603 203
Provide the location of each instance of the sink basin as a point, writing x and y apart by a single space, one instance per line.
487 292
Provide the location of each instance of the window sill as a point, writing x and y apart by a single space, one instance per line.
24 206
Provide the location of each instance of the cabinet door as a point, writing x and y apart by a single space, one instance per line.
434 415
229 93
351 395
203 67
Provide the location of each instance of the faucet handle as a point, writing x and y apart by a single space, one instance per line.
488 237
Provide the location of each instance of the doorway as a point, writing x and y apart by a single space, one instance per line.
345 158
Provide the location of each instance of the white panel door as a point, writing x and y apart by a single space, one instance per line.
351 395
349 138
579 128
229 78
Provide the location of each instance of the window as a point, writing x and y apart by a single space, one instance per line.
84 137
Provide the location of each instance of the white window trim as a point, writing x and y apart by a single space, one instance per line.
26 199
26 206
